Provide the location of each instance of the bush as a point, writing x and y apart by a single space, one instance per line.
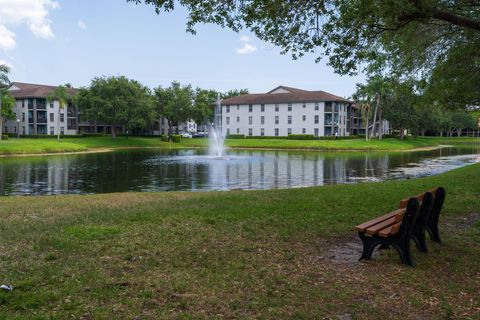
301 137
176 138
235 136
265 137
4 137
86 135
164 138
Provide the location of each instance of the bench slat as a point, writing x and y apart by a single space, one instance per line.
419 197
391 230
373 230
364 226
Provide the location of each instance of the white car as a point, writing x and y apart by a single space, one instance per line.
186 135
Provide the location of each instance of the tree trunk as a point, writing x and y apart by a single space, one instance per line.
366 128
422 132
1 119
114 131
459 132
377 102
380 122
402 133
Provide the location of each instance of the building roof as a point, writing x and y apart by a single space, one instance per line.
29 90
283 94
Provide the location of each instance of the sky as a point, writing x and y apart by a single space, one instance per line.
72 41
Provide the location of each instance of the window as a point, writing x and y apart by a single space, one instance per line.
304 117
317 106
336 118
262 132
289 107
52 130
316 119
228 120
277 119
304 131
250 132
238 130
289 131
51 105
250 108
262 120
23 129
23 103
304 105
289 119
62 130
316 132
277 132
228 109
238 107
250 120
228 131
328 106
262 108
52 117
62 117
23 116
238 119
336 107
277 107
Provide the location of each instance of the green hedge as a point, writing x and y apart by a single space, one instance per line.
176 138
301 137
265 137
235 136
4 136
164 138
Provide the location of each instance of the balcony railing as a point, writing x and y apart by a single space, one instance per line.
42 120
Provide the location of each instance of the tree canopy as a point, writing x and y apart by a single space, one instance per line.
117 101
429 39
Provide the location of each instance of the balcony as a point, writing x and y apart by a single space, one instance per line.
42 120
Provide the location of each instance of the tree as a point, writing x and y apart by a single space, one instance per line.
174 103
6 111
405 37
117 101
63 97
400 106
462 120
203 111
4 82
233 93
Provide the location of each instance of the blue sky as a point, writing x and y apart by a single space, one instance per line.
60 41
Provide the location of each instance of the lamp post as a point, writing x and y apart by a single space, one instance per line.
18 128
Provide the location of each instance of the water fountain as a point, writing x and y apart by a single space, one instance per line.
215 143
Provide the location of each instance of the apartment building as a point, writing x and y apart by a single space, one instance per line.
285 110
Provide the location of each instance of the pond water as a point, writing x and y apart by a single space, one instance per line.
193 170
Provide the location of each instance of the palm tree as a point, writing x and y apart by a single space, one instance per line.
4 81
63 97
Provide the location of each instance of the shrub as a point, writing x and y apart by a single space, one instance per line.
92 135
176 138
235 136
4 137
164 138
301 137
265 137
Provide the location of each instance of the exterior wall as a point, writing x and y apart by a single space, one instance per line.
235 119
36 119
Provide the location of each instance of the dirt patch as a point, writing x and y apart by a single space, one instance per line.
346 251
464 222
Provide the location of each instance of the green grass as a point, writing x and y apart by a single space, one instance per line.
38 146
239 254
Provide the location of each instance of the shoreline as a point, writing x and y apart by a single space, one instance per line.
105 150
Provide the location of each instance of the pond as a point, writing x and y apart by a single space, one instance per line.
193 170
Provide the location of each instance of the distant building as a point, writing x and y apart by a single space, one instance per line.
284 111
161 127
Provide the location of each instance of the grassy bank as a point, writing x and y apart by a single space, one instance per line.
276 254
38 146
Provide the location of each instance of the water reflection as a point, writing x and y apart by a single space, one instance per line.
163 170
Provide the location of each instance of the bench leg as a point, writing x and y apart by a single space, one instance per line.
403 249
432 230
368 246
420 242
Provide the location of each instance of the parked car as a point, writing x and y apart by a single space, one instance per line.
186 135
200 134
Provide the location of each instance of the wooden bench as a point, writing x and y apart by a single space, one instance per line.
415 216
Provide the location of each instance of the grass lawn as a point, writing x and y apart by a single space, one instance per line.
277 254
37 146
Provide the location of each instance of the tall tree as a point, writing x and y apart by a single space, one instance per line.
63 97
4 82
117 101
204 101
233 93
174 103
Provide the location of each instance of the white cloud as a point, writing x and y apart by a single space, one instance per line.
82 24
247 47
33 13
